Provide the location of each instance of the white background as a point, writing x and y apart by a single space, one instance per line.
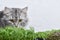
43 14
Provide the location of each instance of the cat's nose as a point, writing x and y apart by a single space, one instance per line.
15 26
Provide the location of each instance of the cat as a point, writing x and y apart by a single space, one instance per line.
14 17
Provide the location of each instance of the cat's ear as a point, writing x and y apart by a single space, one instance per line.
6 10
25 9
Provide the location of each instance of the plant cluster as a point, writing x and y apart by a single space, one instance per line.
13 33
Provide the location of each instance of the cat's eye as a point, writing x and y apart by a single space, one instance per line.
11 20
20 20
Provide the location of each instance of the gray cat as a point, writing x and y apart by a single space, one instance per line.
14 17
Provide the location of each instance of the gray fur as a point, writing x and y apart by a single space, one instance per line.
14 17
3 23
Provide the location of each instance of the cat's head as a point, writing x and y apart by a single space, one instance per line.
16 16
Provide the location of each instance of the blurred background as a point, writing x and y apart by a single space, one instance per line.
43 15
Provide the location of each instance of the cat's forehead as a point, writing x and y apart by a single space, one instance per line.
15 8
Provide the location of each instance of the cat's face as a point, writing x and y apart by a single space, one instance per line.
16 16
